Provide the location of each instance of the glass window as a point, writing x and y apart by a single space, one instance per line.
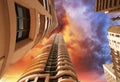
23 22
41 80
117 35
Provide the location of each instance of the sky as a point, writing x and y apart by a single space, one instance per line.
85 34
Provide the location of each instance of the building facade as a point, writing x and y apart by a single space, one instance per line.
109 73
23 24
114 43
51 65
107 6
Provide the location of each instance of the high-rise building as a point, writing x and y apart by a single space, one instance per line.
51 65
114 43
23 24
107 6
109 73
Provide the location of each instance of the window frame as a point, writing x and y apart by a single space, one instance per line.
23 22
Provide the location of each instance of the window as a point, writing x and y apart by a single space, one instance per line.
65 76
23 22
44 3
31 80
47 68
112 34
53 73
41 20
53 68
41 80
117 35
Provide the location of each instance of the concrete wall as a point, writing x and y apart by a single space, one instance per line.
10 51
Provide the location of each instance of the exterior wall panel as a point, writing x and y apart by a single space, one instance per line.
12 50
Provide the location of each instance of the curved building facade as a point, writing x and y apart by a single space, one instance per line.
52 65
23 24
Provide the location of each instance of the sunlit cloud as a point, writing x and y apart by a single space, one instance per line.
85 34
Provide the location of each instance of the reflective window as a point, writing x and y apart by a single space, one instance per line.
23 22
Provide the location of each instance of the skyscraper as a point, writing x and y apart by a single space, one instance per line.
114 42
23 24
52 65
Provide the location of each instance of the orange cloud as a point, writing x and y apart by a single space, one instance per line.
71 35
15 70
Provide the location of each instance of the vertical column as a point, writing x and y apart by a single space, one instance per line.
97 5
101 4
118 2
113 1
108 4
105 4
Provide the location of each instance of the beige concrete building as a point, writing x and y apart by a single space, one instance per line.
51 65
114 43
109 73
23 24
107 6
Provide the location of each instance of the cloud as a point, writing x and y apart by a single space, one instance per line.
85 33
